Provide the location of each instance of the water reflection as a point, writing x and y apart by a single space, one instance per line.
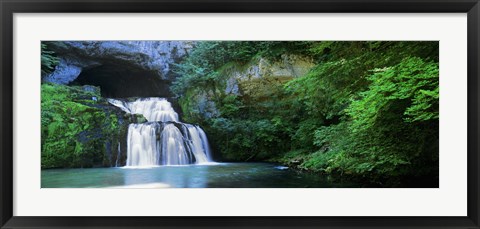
194 176
218 175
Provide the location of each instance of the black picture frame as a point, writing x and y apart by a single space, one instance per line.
9 7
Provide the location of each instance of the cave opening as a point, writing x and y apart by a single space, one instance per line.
123 81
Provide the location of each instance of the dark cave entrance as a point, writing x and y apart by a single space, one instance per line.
123 81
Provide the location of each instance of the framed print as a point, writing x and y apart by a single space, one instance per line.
239 114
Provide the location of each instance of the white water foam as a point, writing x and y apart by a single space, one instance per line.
163 140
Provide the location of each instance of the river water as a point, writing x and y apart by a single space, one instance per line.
214 175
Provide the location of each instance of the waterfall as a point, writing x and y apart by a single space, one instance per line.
197 144
153 109
163 140
142 145
173 147
206 146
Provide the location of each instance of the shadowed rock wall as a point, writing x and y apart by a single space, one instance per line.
120 68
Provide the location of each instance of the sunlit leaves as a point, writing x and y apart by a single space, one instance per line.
413 80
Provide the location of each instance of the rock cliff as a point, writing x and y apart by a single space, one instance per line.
120 68
252 78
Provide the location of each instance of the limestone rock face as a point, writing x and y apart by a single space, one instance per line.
288 66
252 78
93 62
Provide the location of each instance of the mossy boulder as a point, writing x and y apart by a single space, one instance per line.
79 128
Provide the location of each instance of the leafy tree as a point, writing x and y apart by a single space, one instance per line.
48 59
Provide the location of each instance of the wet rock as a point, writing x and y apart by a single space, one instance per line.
89 88
139 118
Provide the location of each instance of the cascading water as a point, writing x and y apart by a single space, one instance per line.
163 140
153 109
142 145
205 144
199 150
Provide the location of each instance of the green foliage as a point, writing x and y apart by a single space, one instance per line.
73 131
343 69
48 59
367 111
245 140
230 106
203 66
412 79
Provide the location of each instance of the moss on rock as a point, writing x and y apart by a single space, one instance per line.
77 124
